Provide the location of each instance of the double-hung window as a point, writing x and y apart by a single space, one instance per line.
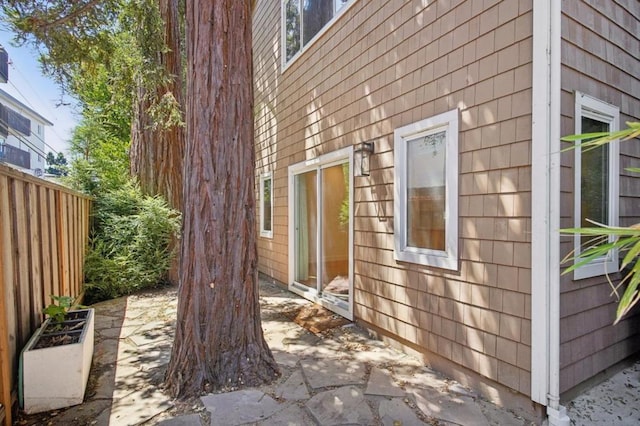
303 20
426 191
266 205
596 175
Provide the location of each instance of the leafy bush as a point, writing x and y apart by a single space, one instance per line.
130 243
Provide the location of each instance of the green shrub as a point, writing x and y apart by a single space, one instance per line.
130 243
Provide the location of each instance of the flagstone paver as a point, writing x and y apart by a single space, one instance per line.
321 373
395 412
381 383
341 376
345 405
460 410
294 389
240 407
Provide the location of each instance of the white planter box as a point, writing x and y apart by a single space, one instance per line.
56 377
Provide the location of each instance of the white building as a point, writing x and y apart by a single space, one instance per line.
22 143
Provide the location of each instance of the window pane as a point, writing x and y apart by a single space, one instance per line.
426 191
266 205
594 198
292 32
306 224
335 231
315 15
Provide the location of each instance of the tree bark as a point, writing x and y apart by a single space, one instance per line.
157 154
219 342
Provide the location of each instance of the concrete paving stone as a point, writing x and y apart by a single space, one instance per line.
138 407
395 412
240 407
382 356
105 351
419 377
381 383
105 384
326 349
294 389
461 390
285 359
454 409
293 415
345 405
108 333
497 416
187 420
614 401
321 373
102 322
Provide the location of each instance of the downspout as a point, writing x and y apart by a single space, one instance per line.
545 220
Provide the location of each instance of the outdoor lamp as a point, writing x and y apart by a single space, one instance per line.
361 156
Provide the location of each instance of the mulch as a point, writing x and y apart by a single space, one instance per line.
315 318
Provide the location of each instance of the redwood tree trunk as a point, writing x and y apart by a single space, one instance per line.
219 341
156 155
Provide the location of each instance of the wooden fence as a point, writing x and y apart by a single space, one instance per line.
44 231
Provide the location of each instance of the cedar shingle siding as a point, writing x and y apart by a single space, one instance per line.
601 57
385 64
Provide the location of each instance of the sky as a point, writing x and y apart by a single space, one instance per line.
29 86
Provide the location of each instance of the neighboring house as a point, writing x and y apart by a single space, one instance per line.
22 136
450 248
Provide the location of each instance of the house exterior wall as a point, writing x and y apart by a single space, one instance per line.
600 45
32 144
383 65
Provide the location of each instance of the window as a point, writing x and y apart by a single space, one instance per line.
426 191
266 205
596 180
304 19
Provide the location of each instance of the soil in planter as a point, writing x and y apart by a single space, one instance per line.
64 333
57 339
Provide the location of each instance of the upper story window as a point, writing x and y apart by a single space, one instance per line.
596 177
303 20
426 191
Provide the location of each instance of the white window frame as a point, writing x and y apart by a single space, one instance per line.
267 233
588 106
303 48
448 258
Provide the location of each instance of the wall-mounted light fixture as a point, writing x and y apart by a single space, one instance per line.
361 156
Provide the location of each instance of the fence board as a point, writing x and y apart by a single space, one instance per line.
35 257
6 292
43 238
47 283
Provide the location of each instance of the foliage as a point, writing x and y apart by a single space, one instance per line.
57 164
59 307
610 238
129 248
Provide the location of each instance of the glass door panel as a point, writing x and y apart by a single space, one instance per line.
306 228
335 232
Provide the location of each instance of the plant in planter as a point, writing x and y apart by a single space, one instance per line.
56 361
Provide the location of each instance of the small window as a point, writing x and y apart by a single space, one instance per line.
596 180
426 191
266 205
303 20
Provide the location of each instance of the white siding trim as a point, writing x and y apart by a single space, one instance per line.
545 216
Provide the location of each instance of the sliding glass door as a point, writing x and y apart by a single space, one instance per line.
321 233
